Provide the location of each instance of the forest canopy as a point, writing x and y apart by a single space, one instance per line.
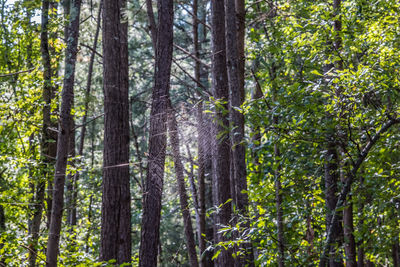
199 133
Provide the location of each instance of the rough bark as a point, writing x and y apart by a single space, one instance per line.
115 210
234 35
150 234
236 87
64 132
331 181
222 144
184 203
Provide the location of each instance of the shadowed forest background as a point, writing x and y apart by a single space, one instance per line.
199 133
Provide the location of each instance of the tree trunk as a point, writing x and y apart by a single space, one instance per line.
236 87
187 221
395 254
2 229
222 144
64 133
150 234
72 216
234 34
331 181
46 146
116 208
348 230
201 227
279 210
201 181
71 220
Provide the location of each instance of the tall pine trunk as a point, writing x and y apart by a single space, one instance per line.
64 133
234 36
150 233
222 143
116 208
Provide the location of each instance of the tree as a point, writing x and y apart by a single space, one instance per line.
183 198
116 208
64 133
222 148
150 235
48 144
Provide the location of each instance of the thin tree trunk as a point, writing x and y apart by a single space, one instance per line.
348 230
70 178
187 221
152 24
279 210
116 209
201 181
2 229
53 91
332 168
331 181
72 217
201 227
47 148
150 234
222 143
89 230
64 132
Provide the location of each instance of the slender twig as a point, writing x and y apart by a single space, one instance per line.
192 56
16 73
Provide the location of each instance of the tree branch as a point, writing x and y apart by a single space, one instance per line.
347 187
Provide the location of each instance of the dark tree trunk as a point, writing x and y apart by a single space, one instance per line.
201 227
395 254
152 24
332 170
331 181
47 146
201 181
2 229
236 88
72 215
222 143
234 34
53 123
116 208
150 235
64 133
187 221
361 257
71 220
348 230
279 210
